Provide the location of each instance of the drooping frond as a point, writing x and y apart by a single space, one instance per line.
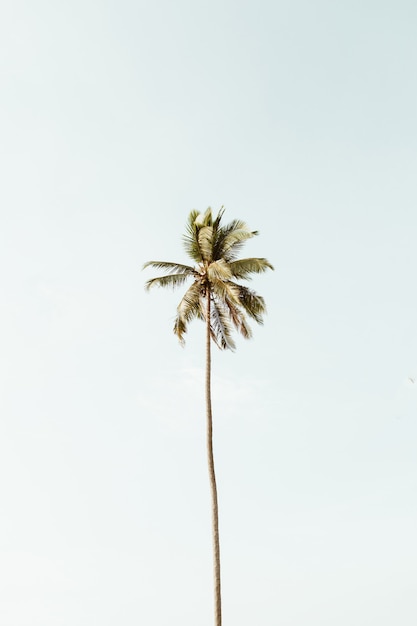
243 268
225 290
170 280
237 315
253 305
179 274
188 309
190 304
220 328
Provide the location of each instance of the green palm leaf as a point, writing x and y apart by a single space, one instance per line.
167 265
253 304
221 330
190 239
230 242
189 308
205 242
183 272
219 270
225 290
243 268
239 320
171 280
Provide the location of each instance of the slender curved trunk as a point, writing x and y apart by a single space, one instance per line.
212 477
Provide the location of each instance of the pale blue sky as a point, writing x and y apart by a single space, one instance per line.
116 120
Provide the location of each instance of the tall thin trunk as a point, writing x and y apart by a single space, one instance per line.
212 477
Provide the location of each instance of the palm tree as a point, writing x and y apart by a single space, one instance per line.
215 297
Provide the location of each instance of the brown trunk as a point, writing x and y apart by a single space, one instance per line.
212 477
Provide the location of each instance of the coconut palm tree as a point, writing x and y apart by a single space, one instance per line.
218 298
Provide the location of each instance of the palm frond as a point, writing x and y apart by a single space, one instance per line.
218 219
219 270
190 239
188 309
192 217
253 305
190 304
205 242
220 328
243 328
180 328
225 290
243 268
170 280
230 243
167 265
192 248
234 225
229 296
204 219
238 318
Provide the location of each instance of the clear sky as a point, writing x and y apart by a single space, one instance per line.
117 119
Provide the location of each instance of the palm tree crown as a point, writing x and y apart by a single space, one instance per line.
214 249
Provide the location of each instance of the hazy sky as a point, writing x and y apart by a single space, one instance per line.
117 119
